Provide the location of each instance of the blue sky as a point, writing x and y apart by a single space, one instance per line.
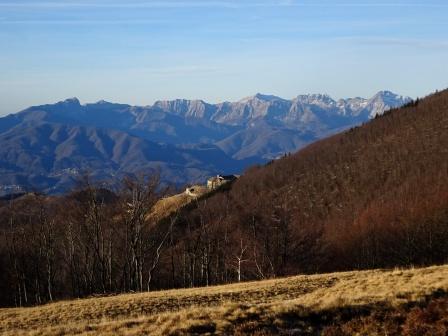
140 51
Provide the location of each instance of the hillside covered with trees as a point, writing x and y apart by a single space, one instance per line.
375 196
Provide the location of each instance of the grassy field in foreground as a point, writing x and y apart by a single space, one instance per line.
303 305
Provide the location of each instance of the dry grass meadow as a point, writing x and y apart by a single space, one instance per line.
295 305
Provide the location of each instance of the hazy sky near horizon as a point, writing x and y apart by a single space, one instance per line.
140 51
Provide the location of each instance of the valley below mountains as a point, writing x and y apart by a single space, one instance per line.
48 148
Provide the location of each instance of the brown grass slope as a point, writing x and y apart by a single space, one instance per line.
169 205
296 305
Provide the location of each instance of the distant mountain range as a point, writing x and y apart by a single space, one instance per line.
48 147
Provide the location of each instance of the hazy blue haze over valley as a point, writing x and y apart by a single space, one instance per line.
140 51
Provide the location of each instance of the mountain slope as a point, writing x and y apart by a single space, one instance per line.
44 146
262 139
51 157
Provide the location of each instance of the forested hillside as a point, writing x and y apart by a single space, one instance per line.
374 196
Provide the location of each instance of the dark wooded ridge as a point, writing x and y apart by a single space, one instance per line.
374 196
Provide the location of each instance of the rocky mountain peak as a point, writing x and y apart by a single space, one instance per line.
71 101
323 100
260 97
383 101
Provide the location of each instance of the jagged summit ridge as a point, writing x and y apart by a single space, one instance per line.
261 97
271 106
268 106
